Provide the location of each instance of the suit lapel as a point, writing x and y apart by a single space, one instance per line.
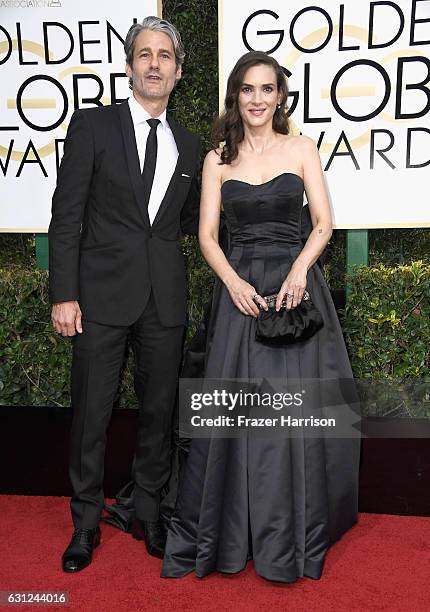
132 157
179 135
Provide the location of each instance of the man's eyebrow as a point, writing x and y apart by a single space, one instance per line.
159 50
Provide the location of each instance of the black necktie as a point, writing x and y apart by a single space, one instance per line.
150 158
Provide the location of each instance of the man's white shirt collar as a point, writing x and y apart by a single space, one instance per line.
140 115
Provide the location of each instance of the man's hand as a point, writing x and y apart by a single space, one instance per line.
66 318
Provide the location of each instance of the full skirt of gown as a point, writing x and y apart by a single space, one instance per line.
279 500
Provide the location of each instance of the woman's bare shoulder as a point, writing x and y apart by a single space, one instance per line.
304 143
213 158
301 147
212 168
300 142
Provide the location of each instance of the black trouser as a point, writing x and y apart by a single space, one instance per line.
97 359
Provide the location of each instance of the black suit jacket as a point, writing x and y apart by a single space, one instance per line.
103 251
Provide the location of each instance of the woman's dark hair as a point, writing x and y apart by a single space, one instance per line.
228 127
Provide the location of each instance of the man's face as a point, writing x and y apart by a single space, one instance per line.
154 71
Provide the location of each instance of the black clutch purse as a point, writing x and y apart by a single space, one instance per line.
287 326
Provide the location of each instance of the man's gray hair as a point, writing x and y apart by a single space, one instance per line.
158 25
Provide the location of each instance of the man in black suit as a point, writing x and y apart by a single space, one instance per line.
126 193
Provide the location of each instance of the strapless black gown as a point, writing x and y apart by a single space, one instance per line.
278 500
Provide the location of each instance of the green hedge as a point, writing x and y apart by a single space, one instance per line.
34 360
386 326
390 247
387 321
387 329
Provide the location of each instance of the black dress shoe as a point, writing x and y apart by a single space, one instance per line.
153 533
79 552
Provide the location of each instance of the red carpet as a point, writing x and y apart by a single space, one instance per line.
383 563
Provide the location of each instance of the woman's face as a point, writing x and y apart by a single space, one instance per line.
258 96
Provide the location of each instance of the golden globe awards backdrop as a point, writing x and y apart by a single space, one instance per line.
55 56
359 80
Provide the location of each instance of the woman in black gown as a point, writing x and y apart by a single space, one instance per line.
280 500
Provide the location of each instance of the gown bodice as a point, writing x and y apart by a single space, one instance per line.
264 213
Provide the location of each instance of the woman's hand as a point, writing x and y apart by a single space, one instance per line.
244 296
293 287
